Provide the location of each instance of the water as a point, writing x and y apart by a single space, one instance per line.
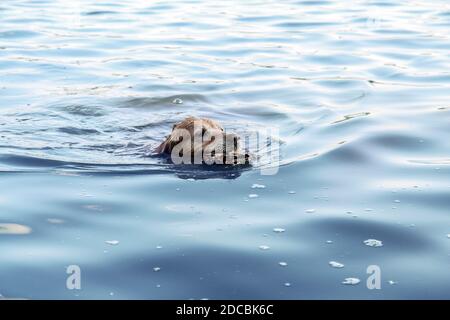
359 94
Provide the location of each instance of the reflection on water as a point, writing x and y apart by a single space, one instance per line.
358 95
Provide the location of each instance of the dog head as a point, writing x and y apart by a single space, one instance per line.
199 140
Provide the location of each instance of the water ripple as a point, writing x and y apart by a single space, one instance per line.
357 99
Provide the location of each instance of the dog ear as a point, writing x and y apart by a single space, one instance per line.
168 145
165 147
160 148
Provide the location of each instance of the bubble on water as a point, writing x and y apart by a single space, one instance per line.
264 247
373 243
368 209
397 201
156 269
351 281
253 195
292 192
87 195
329 241
158 247
335 264
279 230
158 286
177 101
111 293
448 236
287 284
112 242
310 210
13 228
258 186
392 282
283 264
